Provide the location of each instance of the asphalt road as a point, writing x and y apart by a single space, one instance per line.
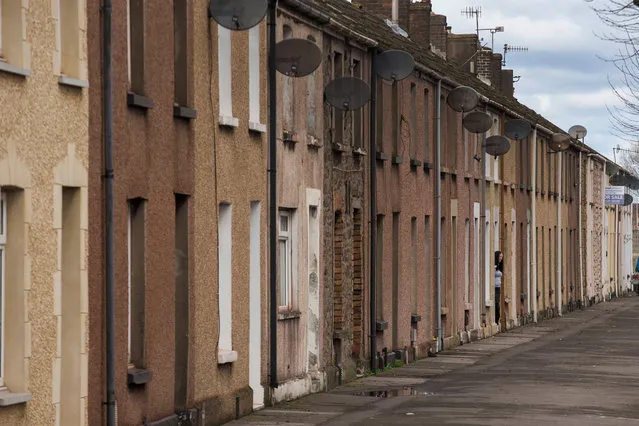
581 369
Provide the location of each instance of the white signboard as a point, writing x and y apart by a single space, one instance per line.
615 195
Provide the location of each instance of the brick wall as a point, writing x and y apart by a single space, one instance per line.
358 282
495 70
485 64
439 33
419 23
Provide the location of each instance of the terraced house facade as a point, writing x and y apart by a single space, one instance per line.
193 336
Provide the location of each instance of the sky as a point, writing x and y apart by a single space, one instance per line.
561 76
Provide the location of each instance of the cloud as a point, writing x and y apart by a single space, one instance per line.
562 75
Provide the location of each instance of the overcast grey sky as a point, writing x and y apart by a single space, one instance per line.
561 76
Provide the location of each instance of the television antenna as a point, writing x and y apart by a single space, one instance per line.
473 12
508 48
499 29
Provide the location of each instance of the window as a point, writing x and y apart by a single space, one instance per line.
286 259
254 79
225 275
467 287
225 76
379 268
426 126
395 265
413 262
338 115
137 278
3 242
358 115
413 121
396 123
380 115
180 43
135 45
69 37
12 44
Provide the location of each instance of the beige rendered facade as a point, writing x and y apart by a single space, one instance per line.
44 220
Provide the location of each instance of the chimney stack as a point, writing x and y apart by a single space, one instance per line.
395 10
419 23
462 50
439 34
507 85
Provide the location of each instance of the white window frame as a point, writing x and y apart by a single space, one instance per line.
288 237
3 242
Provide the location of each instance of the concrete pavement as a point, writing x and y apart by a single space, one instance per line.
582 369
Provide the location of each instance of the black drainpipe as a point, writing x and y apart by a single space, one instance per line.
373 212
272 166
108 187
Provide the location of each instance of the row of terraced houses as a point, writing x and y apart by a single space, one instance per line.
192 307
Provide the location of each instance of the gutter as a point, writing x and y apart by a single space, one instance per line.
438 219
324 19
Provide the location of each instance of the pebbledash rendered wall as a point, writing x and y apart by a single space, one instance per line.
44 201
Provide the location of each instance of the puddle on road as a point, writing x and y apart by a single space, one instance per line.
390 393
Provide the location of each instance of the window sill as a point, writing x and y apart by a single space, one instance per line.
138 376
313 142
228 121
359 151
396 159
12 69
381 325
340 148
184 112
139 101
415 163
73 82
381 156
257 127
9 398
288 315
225 356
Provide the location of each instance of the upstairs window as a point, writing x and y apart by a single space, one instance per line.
70 41
135 45
12 44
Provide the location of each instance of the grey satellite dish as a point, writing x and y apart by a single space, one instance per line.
627 199
477 122
238 15
559 142
463 99
497 145
517 129
618 180
578 132
632 183
297 57
394 65
347 93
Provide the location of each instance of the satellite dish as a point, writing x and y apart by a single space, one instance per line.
632 183
394 65
347 93
463 99
517 129
238 15
618 180
627 199
477 122
559 142
297 57
578 132
497 145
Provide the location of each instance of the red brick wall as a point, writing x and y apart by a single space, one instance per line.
358 282
419 23
338 271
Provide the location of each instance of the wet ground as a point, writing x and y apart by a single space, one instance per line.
581 369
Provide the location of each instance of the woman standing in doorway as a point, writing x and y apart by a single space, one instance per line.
499 273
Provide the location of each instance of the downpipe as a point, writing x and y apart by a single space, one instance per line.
272 168
438 218
533 202
373 215
107 96
581 253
